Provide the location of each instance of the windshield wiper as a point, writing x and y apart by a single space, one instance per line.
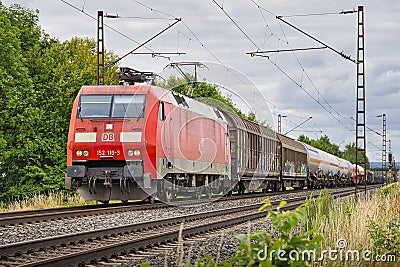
79 113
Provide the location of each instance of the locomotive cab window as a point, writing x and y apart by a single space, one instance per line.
128 106
94 106
115 106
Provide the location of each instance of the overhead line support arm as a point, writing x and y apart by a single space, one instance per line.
315 39
143 44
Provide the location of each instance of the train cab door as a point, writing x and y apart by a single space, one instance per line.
165 112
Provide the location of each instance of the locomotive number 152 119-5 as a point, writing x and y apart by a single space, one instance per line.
109 152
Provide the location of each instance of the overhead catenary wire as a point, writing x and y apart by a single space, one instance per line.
372 130
303 70
234 22
109 27
196 39
285 50
147 41
153 9
311 82
312 14
317 40
186 26
169 17
298 126
172 17
83 6
375 145
248 37
140 45
310 95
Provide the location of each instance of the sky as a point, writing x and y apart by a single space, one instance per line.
316 83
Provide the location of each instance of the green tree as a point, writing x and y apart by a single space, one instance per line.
349 153
39 77
15 88
206 93
322 143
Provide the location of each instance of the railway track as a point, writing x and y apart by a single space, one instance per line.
106 245
53 214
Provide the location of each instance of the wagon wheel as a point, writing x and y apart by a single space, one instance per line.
227 192
274 187
264 190
241 188
283 187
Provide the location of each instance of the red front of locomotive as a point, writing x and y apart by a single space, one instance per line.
111 151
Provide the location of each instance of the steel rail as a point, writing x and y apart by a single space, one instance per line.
53 214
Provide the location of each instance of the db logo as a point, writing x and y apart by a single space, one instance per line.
107 137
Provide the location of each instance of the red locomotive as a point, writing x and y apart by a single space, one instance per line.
141 141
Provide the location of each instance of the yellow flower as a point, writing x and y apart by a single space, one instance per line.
267 201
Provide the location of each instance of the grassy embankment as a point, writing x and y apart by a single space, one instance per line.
363 224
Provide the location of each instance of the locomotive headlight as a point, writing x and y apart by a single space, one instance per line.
132 152
79 153
86 153
136 152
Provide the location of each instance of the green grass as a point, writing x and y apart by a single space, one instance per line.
50 200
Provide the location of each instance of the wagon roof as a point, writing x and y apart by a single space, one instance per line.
237 122
292 144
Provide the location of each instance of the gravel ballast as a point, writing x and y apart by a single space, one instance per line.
19 233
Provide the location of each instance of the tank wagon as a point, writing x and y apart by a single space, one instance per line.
326 170
358 175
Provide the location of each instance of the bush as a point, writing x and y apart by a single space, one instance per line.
387 238
385 230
